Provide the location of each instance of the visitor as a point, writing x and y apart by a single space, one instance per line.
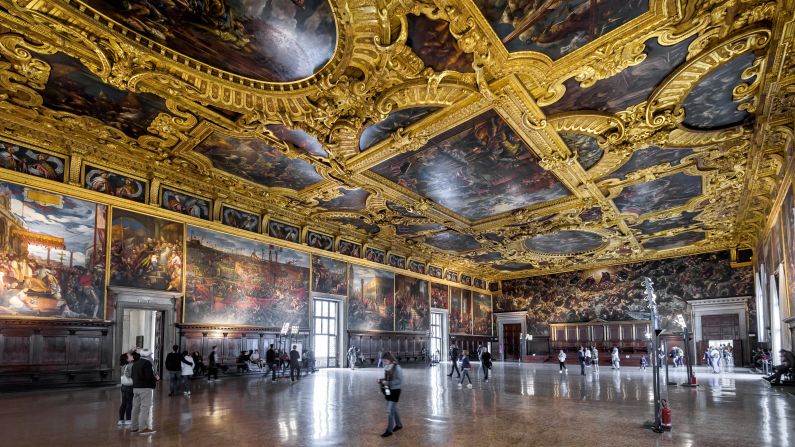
271 360
465 367
454 357
707 357
304 362
615 359
352 357
174 367
391 386
595 359
198 364
714 355
562 362
644 362
765 362
295 365
125 409
187 372
380 363
485 361
212 372
480 352
144 383
587 353
581 360
254 358
787 363
311 356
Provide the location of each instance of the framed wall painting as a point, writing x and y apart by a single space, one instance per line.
396 261
349 248
375 255
36 162
183 203
435 271
417 266
114 184
243 220
319 240
284 231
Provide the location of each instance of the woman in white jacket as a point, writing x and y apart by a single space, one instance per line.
187 371
562 361
616 359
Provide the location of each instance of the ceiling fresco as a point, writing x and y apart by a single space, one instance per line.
496 139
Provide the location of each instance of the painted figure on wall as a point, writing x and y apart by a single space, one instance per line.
232 280
371 301
348 248
481 319
412 305
118 185
185 204
456 322
52 254
396 261
435 271
466 280
28 161
439 296
240 219
374 255
615 293
329 275
319 240
417 267
146 252
465 323
284 231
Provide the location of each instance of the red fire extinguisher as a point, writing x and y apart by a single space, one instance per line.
693 379
665 415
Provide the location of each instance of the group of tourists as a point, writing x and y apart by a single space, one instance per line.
717 356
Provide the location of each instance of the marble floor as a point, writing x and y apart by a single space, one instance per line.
530 404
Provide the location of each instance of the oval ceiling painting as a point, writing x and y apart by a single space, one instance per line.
564 242
268 40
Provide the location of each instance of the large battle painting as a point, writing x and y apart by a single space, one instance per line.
481 320
257 161
439 296
676 241
564 241
657 195
240 219
232 280
556 28
371 301
616 294
329 275
629 87
648 157
464 323
73 88
276 40
185 204
412 305
377 132
710 105
107 182
52 254
586 147
478 169
146 252
30 161
436 46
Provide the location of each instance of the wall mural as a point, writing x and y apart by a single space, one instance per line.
435 271
615 293
417 267
556 28
451 276
788 228
436 46
404 118
479 283
284 231
709 105
72 88
586 147
240 219
348 248
478 169
466 280
657 195
297 137
185 204
592 214
396 261
453 241
481 320
52 260
632 85
439 296
329 275
355 199
655 226
412 304
455 319
100 180
375 255
29 161
320 240
565 241
145 252
648 157
276 41
676 241
232 280
371 302
257 161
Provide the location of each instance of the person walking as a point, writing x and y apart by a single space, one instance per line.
271 360
615 359
125 409
595 359
485 361
454 357
310 355
587 352
295 364
144 383
562 362
391 386
581 360
465 367
380 363
174 368
644 362
212 371
187 372
715 359
352 357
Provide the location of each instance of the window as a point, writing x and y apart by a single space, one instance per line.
325 338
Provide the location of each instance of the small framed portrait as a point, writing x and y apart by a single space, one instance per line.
284 231
240 219
31 161
396 260
480 283
416 266
375 255
451 276
184 203
435 271
319 240
111 183
349 248
466 280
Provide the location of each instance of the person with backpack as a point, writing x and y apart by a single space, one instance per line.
174 368
562 362
485 361
125 409
391 386
187 372
465 367
454 357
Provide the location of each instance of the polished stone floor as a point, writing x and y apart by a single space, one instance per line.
529 404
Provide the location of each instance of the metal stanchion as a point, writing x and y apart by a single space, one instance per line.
656 425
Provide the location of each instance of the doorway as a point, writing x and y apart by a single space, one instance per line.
143 329
438 335
326 331
512 333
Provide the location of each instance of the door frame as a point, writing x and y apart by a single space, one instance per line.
341 334
504 318
444 355
720 306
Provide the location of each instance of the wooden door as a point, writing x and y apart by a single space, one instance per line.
511 338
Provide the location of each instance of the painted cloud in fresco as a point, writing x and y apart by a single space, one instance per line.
355 199
709 105
566 241
588 150
453 241
655 226
657 195
402 118
678 241
648 157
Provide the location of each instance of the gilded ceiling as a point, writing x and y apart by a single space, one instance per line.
496 138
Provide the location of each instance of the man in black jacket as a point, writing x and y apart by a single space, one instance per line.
485 363
144 383
454 357
295 364
271 360
212 371
174 367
